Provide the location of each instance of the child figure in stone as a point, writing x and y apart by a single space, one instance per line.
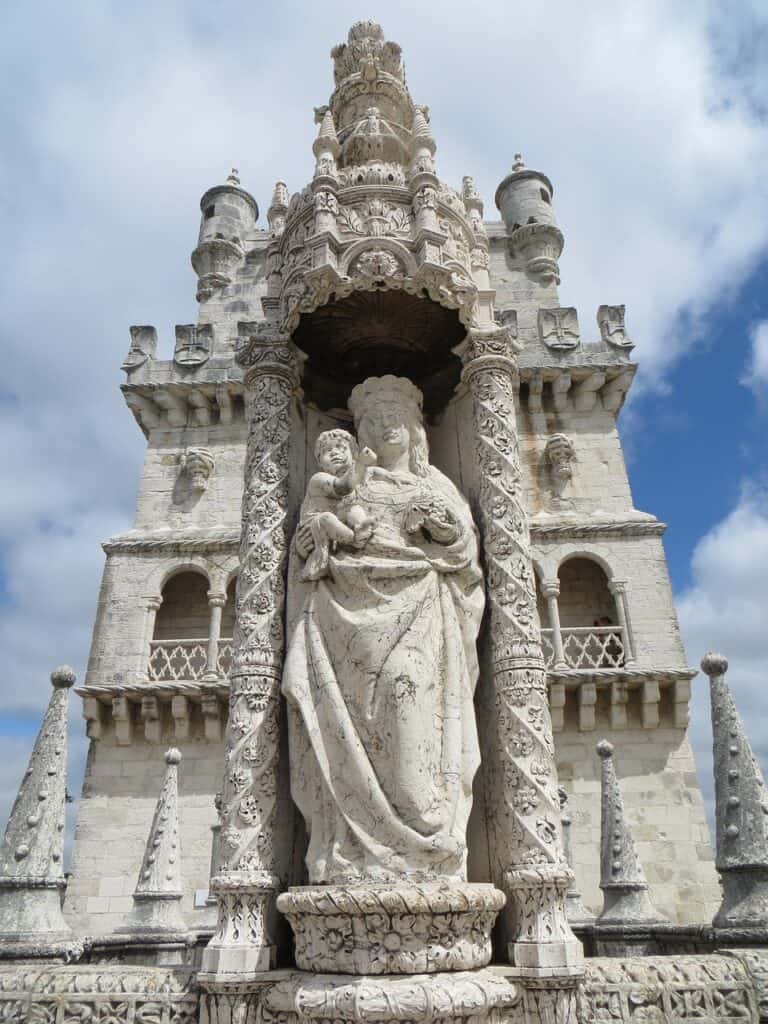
343 468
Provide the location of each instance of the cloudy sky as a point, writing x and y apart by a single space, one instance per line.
649 118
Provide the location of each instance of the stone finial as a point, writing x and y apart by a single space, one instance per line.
158 889
421 132
233 178
622 879
741 809
327 141
518 164
575 910
32 850
278 208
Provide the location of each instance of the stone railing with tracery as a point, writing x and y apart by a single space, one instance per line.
586 647
186 660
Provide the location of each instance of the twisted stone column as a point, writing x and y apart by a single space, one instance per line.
247 879
525 823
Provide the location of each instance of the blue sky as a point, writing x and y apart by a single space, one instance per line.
649 118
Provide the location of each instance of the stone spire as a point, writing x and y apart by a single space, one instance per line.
31 854
741 810
278 208
622 879
327 140
576 911
158 890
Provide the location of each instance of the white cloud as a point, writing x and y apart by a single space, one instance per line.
726 609
115 119
757 374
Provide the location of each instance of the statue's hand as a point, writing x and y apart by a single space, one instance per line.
433 516
367 457
305 542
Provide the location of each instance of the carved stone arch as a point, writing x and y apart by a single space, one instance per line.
571 551
401 253
173 566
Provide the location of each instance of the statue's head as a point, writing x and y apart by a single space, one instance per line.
388 418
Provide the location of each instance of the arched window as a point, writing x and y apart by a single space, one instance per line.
591 632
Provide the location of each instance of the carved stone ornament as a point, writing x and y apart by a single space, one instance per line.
471 997
399 929
193 344
714 989
559 327
198 464
559 456
143 347
377 263
107 993
613 331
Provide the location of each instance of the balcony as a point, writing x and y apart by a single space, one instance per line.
586 647
186 660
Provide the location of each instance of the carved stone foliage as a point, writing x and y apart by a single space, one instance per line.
376 263
198 464
475 997
400 929
613 330
373 173
143 347
667 990
559 327
102 995
193 344
377 217
527 823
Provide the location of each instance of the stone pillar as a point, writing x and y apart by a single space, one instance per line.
216 602
551 592
525 822
153 607
619 590
247 882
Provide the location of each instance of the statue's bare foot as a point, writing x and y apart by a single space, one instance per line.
364 532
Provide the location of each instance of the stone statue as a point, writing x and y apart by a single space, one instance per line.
329 507
382 665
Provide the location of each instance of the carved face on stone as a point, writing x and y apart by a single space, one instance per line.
386 429
335 451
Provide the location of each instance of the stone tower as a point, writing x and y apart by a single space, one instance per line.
378 269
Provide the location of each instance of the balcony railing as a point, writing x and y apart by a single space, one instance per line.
185 660
587 647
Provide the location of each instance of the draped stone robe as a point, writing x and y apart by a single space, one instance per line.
379 680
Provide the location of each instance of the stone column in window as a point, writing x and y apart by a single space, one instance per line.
246 882
216 602
619 590
551 592
525 823
153 606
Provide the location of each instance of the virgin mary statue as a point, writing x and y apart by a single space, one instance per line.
381 664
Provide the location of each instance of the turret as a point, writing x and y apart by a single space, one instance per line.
229 213
524 198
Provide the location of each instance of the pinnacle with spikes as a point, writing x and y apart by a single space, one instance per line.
420 133
622 879
32 850
741 810
158 890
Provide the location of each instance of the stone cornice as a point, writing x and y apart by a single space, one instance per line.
579 530
189 542
628 676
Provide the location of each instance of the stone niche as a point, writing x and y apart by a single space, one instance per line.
372 333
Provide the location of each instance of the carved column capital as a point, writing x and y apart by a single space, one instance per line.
550 589
617 587
216 599
267 353
488 348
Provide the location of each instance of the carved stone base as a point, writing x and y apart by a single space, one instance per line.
476 996
627 905
745 898
392 929
31 921
243 944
